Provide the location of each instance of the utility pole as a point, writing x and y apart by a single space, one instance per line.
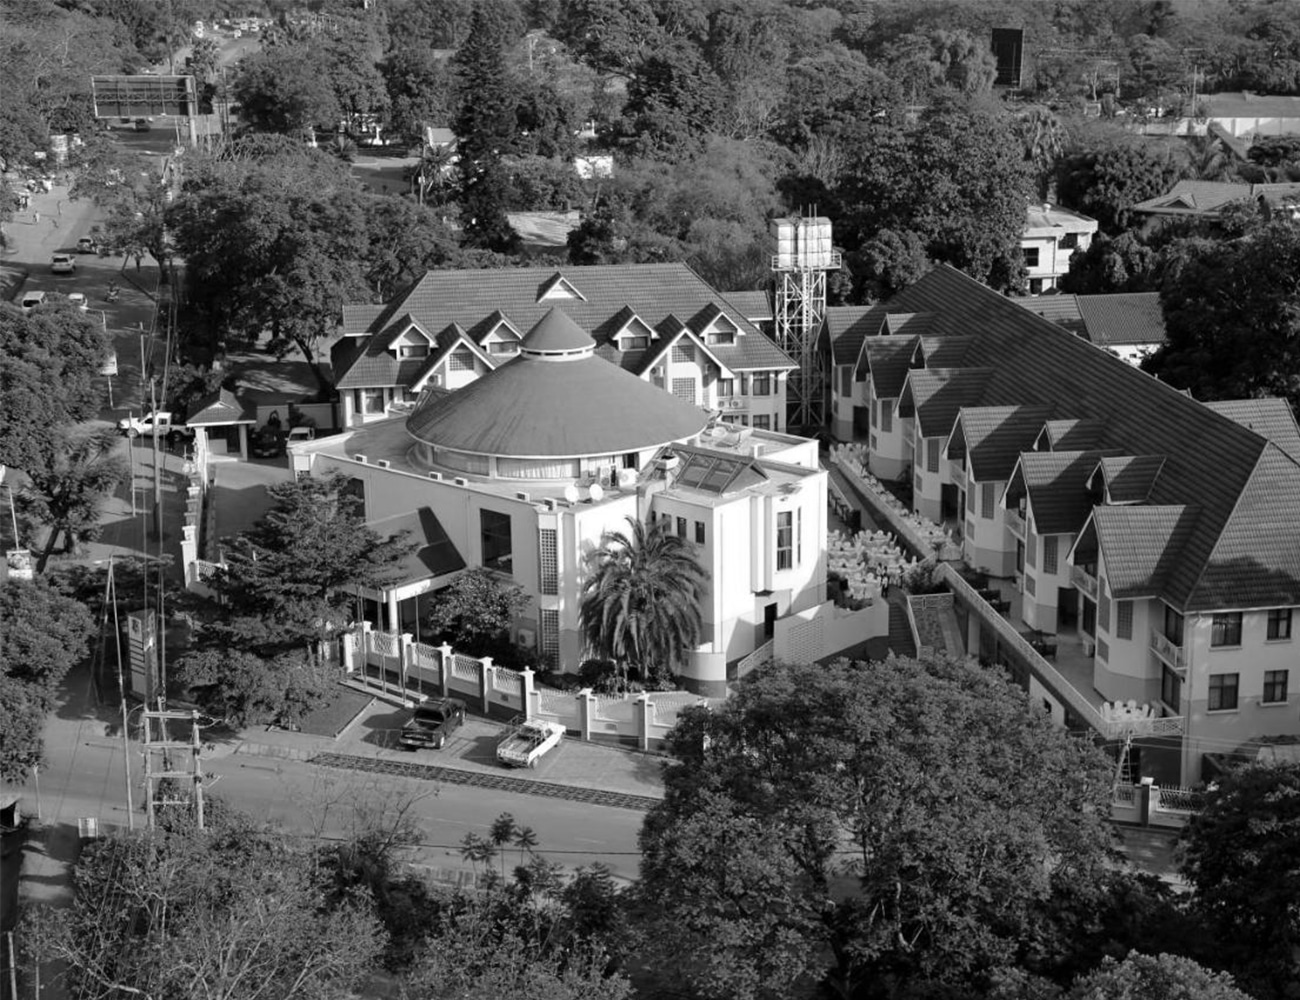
156 742
121 694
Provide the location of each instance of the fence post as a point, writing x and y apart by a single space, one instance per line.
487 676
1148 795
586 712
366 644
444 668
406 657
528 693
348 649
644 716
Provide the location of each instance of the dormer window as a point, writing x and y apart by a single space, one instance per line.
502 339
633 335
726 337
411 345
559 287
720 331
503 347
633 342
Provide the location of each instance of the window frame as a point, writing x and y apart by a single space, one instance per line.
1216 697
493 556
784 540
1225 630
1124 619
1275 632
1272 682
1051 555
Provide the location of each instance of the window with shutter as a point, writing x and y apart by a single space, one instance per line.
986 500
1049 554
1124 619
932 455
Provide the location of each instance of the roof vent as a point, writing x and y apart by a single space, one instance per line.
359 458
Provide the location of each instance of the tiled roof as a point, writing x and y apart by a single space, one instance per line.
936 396
910 324
434 554
1072 434
888 362
942 352
357 318
1130 478
1195 197
1122 318
221 407
1141 546
1256 561
849 326
1209 457
1270 416
1056 483
753 306
650 291
1244 104
369 363
994 436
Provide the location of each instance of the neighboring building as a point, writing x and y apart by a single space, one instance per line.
1203 201
1051 235
660 322
523 470
1130 325
1154 534
1242 113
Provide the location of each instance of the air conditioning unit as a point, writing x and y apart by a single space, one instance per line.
734 403
461 481
384 463
521 495
527 637
657 372
436 476
359 458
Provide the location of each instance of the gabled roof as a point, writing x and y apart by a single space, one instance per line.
220 408
909 324
670 335
1127 479
1056 484
1062 310
936 395
1070 435
357 318
849 326
1122 318
367 362
1270 416
940 352
888 360
1209 459
434 553
994 437
651 291
753 306
1195 198
1140 545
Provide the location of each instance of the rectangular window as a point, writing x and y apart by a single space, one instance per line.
970 501
699 532
1103 650
1223 693
684 352
798 536
1124 619
413 351
1173 626
684 388
762 422
1225 629
886 415
1171 689
987 499
763 385
506 347
1274 686
726 387
1020 556
494 535
1279 623
932 455
846 381
1031 550
681 527
1070 241
1031 256
549 567
721 338
550 637
462 361
1050 564
784 539
1103 605
368 400
1031 588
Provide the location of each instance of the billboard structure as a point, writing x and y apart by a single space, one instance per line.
1008 45
144 96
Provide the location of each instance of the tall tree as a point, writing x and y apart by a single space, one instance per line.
1241 854
484 125
67 495
133 196
1163 977
640 603
903 823
1107 183
475 614
283 89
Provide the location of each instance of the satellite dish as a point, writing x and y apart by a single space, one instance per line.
720 431
596 492
571 493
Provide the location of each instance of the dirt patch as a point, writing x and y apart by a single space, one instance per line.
334 717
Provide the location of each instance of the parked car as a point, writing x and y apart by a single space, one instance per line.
79 300
86 245
432 723
268 442
152 423
528 741
63 263
109 367
31 300
141 125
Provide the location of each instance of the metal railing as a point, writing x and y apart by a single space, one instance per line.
1016 522
1168 650
1082 579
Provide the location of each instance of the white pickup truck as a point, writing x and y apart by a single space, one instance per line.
527 741
152 423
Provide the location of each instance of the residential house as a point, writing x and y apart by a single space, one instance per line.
524 469
1153 534
1130 325
1242 113
1204 201
1052 234
660 322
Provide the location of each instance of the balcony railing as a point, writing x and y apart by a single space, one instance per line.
1168 650
1084 580
1016 522
957 473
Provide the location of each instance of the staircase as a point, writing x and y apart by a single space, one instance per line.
900 633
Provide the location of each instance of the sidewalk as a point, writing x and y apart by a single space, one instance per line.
373 734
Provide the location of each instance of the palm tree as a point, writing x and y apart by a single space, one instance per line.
641 600
1208 159
1044 138
67 494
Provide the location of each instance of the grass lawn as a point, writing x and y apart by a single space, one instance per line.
331 718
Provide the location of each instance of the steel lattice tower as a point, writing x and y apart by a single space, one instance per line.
803 255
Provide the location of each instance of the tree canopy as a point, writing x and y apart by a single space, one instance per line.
906 821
